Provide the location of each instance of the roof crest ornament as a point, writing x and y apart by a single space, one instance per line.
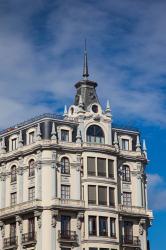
85 68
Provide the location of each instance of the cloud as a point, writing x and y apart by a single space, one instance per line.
156 192
41 47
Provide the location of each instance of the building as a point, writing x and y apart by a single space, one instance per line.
74 181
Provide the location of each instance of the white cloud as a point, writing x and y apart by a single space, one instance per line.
41 52
157 192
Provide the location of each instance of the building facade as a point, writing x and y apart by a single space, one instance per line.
74 181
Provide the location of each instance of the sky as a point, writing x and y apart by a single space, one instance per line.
41 58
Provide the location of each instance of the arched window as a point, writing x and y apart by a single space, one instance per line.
31 168
13 174
95 134
65 165
126 173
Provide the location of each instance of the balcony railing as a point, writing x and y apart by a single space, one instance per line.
131 240
7 211
134 210
28 237
67 235
68 203
10 241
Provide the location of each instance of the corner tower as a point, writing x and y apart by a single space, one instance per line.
85 87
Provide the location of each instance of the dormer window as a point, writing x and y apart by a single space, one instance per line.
64 135
14 143
95 134
125 144
95 108
31 137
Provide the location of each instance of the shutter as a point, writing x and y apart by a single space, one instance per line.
111 168
92 194
102 195
91 166
111 197
101 167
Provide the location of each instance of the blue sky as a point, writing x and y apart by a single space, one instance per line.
41 57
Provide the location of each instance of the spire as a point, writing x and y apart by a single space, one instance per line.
20 139
65 111
138 145
144 148
108 109
85 69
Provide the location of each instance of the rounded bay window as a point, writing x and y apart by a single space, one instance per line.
95 134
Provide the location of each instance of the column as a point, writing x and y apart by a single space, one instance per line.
20 180
2 233
19 230
38 229
54 176
38 177
3 191
80 218
53 229
139 190
78 179
142 233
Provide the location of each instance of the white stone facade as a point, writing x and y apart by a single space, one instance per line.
64 184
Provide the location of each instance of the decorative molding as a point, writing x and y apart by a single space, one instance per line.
54 218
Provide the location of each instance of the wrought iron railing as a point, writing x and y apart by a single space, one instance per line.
67 235
28 237
10 241
131 240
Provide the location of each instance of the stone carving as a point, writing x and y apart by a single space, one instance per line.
80 219
38 214
54 218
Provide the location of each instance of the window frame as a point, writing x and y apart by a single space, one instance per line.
31 193
65 192
92 231
65 165
91 134
126 174
13 198
31 168
13 174
127 199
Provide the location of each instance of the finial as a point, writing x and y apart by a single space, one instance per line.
85 69
38 132
108 109
138 145
115 142
144 148
20 140
65 111
53 132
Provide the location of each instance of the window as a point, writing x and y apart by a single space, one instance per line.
92 226
95 134
112 228
126 173
14 144
31 137
65 192
92 194
95 108
31 229
65 226
111 169
31 168
127 199
64 135
13 174
31 193
128 232
13 200
101 167
102 194
125 144
111 197
12 230
91 166
65 165
103 226
93 248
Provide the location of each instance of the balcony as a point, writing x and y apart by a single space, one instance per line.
68 204
131 240
10 243
29 239
68 236
19 208
135 210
